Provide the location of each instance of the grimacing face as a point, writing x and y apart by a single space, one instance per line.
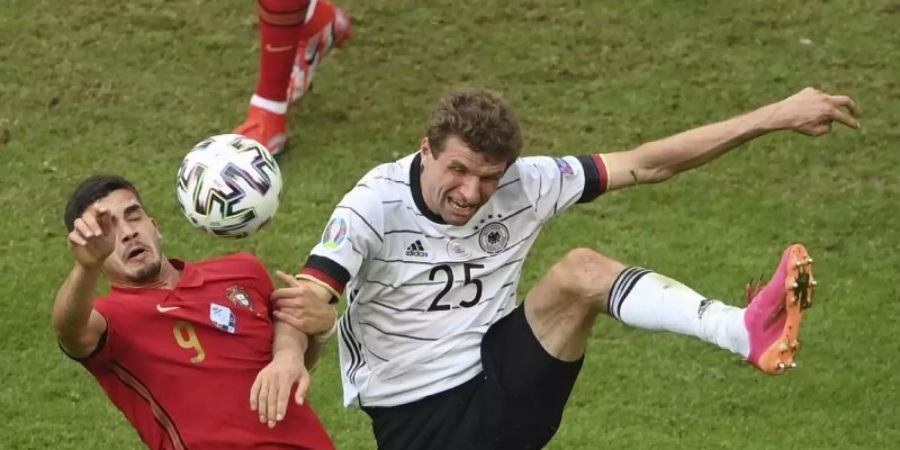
458 181
137 257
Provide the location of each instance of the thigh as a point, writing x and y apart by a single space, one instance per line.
563 306
525 390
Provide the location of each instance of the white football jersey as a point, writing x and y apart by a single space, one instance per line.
421 294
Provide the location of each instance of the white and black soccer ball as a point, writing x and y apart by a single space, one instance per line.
229 185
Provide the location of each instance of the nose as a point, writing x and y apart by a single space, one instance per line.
471 190
126 231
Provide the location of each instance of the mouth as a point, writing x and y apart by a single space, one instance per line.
135 253
460 209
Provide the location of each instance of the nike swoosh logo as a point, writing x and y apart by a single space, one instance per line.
165 309
271 49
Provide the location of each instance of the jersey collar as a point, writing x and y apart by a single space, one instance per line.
190 277
415 186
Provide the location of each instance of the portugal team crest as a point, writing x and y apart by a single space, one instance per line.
239 296
493 237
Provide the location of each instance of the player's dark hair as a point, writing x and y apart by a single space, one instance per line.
481 119
92 189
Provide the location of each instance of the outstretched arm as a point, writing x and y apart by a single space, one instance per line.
809 112
77 324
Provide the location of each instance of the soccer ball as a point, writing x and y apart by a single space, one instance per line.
229 185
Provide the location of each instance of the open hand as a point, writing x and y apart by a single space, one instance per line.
271 390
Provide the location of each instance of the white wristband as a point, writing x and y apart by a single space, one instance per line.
323 338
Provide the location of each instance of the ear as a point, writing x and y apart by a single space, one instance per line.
156 227
425 148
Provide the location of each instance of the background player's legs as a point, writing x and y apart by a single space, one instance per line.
280 25
280 28
294 36
562 307
326 27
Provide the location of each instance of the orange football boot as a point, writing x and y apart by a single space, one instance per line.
265 127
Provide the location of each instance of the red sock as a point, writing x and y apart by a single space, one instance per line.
280 27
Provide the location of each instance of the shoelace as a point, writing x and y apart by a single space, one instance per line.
753 287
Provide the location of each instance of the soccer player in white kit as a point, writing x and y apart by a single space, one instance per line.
429 251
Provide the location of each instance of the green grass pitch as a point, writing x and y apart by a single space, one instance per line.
128 87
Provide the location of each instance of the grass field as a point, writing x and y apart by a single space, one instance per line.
128 87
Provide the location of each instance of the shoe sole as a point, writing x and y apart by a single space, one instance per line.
798 296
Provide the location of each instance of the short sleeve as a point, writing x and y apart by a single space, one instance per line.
353 233
106 345
553 184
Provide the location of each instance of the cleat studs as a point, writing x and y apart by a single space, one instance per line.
795 285
813 282
808 259
781 366
794 365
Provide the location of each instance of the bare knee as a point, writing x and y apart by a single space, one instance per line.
563 306
584 277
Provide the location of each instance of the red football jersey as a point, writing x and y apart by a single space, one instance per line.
180 363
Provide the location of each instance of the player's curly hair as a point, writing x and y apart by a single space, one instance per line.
92 189
481 119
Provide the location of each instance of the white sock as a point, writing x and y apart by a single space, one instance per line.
269 105
645 299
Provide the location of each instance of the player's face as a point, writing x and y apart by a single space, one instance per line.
458 181
137 257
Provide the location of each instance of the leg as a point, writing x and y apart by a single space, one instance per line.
326 27
280 25
294 36
562 307
525 388
531 369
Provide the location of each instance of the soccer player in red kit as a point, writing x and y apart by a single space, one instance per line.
294 37
180 347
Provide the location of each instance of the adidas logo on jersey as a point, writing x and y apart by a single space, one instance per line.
416 249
